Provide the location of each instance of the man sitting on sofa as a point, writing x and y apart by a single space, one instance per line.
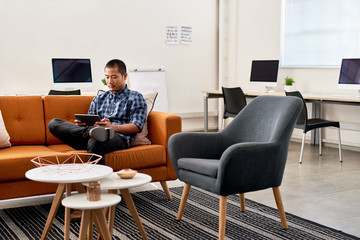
121 110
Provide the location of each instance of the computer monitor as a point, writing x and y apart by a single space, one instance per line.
264 73
349 77
71 73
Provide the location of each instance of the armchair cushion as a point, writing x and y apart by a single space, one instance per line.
207 167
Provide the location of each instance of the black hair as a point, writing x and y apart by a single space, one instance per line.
120 65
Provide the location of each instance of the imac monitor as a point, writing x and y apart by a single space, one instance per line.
349 77
264 72
71 73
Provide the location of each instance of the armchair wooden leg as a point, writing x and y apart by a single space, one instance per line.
280 207
184 197
242 201
166 189
222 216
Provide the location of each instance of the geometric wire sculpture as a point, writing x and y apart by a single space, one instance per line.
64 163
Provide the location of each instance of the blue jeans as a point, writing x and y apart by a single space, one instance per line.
78 138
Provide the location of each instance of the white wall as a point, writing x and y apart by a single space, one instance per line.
33 32
259 37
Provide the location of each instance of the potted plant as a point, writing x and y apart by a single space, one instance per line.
104 81
288 84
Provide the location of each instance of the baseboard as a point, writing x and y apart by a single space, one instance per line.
26 201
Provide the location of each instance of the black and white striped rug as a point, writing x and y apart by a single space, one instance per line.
200 220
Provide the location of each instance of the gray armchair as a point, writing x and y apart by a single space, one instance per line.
248 155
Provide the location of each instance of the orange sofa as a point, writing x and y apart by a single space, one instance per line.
26 119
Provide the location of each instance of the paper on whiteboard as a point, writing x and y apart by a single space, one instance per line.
143 81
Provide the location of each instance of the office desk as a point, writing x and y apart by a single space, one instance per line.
218 94
315 98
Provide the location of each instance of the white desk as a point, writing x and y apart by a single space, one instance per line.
54 174
317 99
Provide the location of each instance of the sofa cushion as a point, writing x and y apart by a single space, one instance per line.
24 119
15 161
142 137
4 135
63 107
138 157
62 148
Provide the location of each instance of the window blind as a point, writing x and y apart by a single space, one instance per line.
319 33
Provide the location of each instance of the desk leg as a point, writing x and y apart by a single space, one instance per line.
67 214
125 194
315 113
206 115
54 207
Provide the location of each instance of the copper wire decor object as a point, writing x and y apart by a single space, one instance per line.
66 162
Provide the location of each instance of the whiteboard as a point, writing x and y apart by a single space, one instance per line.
146 81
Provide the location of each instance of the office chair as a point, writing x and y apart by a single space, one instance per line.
70 92
234 101
311 124
248 155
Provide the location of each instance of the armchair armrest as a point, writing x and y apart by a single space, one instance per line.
195 145
253 163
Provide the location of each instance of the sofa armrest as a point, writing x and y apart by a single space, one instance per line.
161 126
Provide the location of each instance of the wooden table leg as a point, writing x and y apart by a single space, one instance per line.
67 215
80 188
84 225
100 223
90 226
125 194
54 207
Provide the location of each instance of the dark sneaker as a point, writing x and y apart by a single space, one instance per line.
101 134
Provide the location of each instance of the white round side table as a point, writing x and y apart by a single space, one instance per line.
114 182
92 212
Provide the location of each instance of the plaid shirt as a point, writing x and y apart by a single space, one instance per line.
126 106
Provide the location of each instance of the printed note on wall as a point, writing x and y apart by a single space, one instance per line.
186 34
172 35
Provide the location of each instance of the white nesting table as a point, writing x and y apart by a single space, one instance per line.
65 175
114 182
92 212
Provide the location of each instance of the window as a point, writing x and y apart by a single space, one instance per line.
319 33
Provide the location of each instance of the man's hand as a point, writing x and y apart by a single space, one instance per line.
78 122
105 122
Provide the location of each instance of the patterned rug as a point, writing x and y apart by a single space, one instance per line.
200 220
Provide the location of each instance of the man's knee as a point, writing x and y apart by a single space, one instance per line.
53 124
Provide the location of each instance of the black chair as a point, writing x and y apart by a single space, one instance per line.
60 92
248 155
234 101
100 91
311 124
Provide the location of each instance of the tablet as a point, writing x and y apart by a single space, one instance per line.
89 119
